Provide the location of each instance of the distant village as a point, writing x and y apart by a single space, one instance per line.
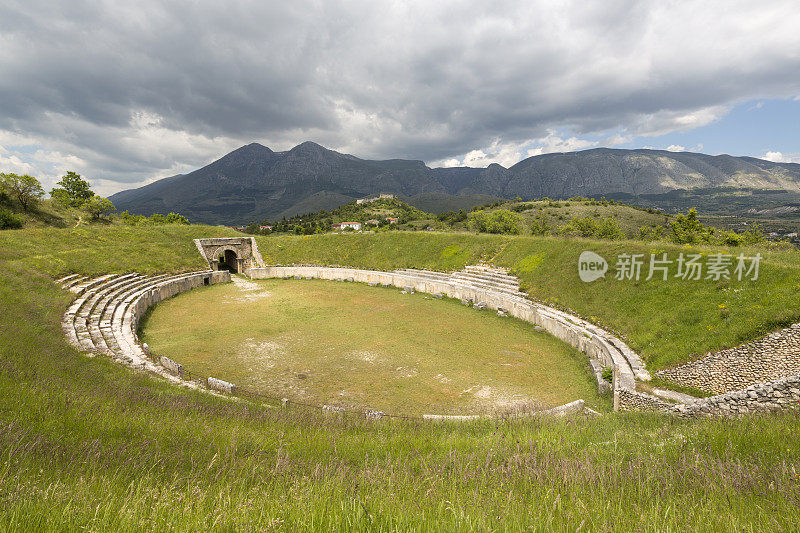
352 226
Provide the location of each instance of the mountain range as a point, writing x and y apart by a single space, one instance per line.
254 183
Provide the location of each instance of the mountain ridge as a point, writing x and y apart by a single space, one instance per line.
254 182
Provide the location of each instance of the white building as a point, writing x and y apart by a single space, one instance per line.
356 226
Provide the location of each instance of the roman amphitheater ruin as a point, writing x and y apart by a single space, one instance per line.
759 376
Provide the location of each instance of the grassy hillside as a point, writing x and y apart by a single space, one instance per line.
87 444
553 215
666 321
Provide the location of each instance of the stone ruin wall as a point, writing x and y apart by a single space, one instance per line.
779 395
773 357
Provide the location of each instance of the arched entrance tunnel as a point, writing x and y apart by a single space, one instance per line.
237 254
229 261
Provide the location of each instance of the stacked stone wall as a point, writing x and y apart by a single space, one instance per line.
773 357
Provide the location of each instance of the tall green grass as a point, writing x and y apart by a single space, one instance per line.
88 444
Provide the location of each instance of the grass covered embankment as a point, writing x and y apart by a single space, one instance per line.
87 444
667 322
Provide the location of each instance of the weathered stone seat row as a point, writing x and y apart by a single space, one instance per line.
590 339
482 277
105 315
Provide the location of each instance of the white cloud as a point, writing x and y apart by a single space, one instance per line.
14 164
779 157
676 148
663 122
553 143
617 139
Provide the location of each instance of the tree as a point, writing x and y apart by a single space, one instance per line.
97 206
26 189
72 190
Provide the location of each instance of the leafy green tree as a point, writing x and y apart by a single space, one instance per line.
158 218
26 189
72 190
98 206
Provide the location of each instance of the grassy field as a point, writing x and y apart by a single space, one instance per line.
87 444
360 347
668 322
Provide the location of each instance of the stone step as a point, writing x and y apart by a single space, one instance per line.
486 270
75 281
427 274
99 308
68 322
111 320
91 283
84 314
122 306
66 279
498 279
484 281
505 288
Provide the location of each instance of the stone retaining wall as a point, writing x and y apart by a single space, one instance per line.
780 395
592 340
773 357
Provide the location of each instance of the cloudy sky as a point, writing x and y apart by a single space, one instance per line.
127 92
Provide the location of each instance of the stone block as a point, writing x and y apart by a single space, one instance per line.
172 366
221 386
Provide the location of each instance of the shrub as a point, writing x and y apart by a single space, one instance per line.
133 220
608 375
650 233
9 220
539 225
175 218
499 221
98 206
687 229
754 235
604 228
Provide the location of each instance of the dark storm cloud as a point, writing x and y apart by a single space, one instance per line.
137 88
